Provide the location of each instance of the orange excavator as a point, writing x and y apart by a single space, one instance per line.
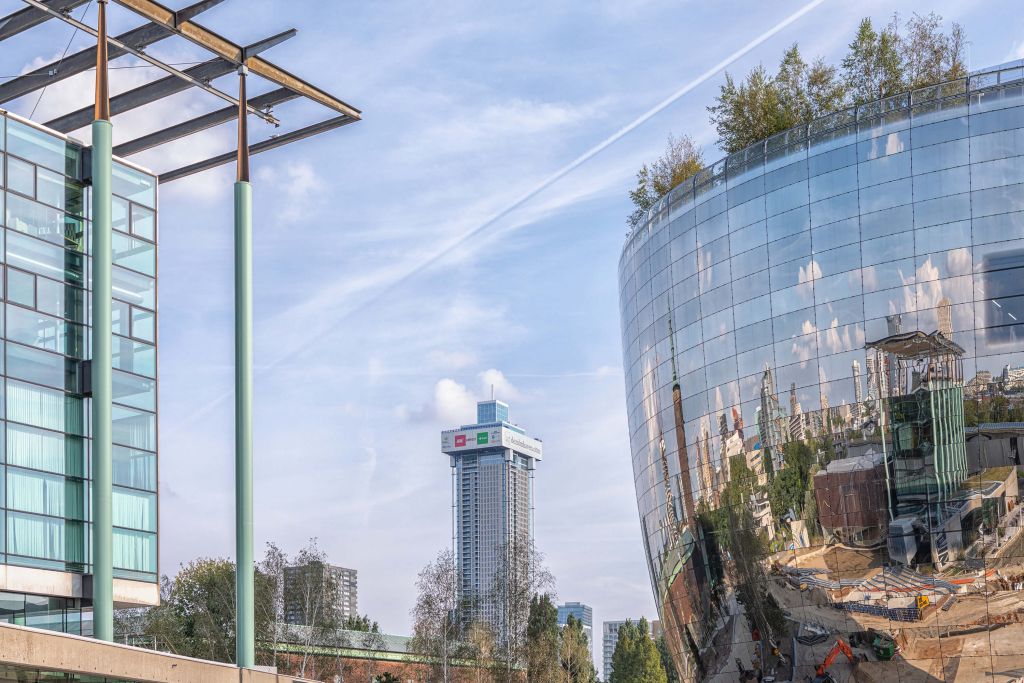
821 673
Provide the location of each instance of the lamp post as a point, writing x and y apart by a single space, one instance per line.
244 591
102 468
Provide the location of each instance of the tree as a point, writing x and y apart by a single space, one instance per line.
748 112
929 55
481 647
520 577
682 159
636 658
542 663
873 67
666 661
388 677
574 653
436 617
312 587
196 616
360 623
271 609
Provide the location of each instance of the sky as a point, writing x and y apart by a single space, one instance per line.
387 300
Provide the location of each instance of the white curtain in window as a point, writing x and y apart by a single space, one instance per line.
134 509
36 449
35 536
134 550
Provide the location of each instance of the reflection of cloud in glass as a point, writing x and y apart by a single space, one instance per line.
812 271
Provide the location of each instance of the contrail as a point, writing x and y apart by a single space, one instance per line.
537 189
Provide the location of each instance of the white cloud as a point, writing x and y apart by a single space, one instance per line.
453 402
301 185
495 380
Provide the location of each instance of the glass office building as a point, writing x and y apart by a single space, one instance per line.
823 340
44 435
492 463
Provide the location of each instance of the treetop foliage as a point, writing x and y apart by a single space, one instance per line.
636 658
884 61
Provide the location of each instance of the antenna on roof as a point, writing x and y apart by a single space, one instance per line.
492 392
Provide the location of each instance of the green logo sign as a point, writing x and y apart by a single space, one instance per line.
481 438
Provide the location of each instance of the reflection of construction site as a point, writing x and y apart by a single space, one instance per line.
905 559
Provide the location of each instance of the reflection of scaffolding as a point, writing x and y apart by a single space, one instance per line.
928 459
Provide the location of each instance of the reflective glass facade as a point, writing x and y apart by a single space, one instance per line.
44 449
823 345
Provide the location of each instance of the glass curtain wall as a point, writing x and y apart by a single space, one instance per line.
44 447
775 309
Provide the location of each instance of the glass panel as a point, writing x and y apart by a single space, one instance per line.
134 468
60 299
41 367
134 550
119 214
56 190
41 407
134 509
136 289
42 148
21 176
44 494
45 223
21 287
41 331
133 185
143 324
47 259
41 449
134 356
135 254
143 222
134 428
134 391
45 538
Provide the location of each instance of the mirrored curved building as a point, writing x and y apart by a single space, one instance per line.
823 341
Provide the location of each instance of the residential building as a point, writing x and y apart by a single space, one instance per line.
583 614
45 513
840 195
301 582
492 462
610 638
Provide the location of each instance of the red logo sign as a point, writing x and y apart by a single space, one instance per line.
460 440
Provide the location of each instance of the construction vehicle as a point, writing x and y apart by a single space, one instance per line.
884 647
821 674
881 643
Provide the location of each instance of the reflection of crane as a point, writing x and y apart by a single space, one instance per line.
821 673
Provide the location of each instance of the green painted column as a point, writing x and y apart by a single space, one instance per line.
102 389
244 592
102 469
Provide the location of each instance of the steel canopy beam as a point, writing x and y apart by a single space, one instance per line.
38 4
80 62
200 123
24 19
165 87
236 54
272 143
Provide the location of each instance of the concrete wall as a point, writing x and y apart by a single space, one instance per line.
48 651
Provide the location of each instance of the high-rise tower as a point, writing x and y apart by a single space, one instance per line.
492 502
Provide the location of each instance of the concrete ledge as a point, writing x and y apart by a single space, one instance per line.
48 651
35 581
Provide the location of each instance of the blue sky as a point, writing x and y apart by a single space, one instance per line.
374 332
